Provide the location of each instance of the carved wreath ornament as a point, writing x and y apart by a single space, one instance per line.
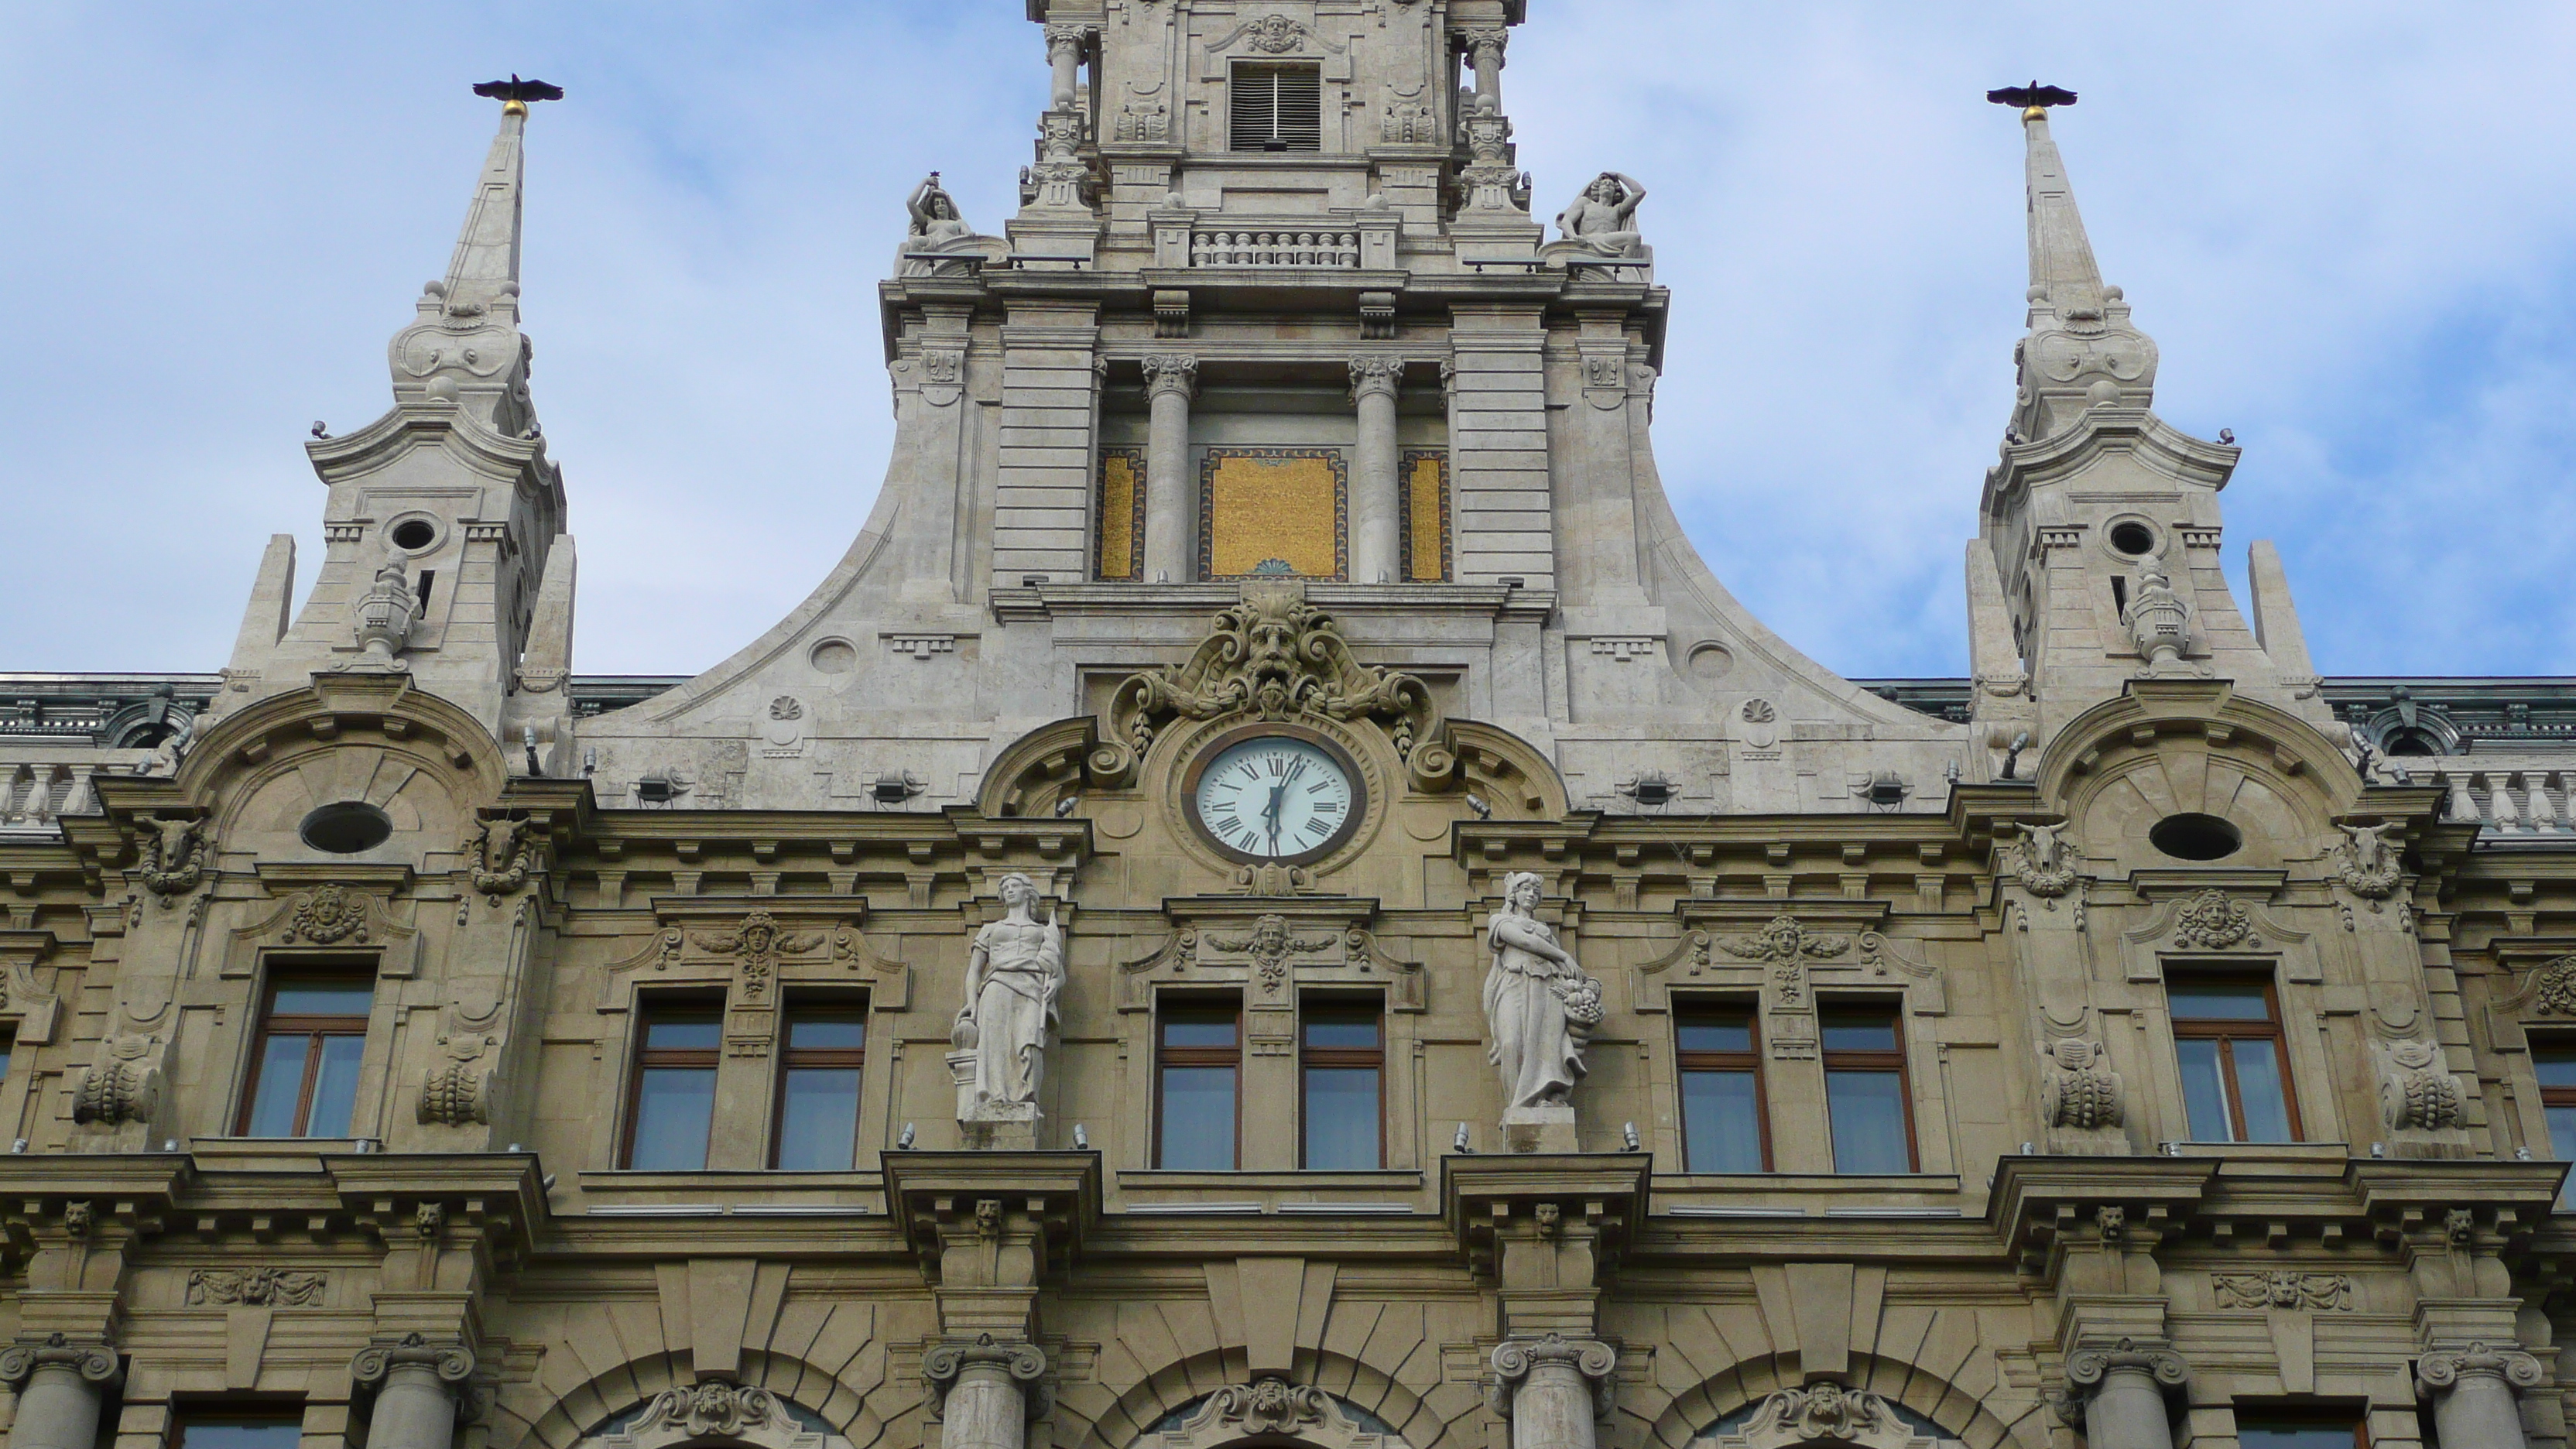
172 855
499 854
1278 657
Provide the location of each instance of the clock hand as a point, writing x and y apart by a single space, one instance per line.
1270 812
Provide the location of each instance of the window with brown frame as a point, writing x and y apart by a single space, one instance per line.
2553 1061
2234 1059
304 1060
1198 1074
1869 1110
2266 1431
671 1103
1724 1116
1341 1060
274 1426
818 1088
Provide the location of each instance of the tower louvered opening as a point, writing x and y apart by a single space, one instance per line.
1278 108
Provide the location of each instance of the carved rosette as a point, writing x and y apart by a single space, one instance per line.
2089 1370
1023 1365
2443 1370
1519 1362
95 1362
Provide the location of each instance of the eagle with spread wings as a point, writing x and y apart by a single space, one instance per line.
2033 94
522 91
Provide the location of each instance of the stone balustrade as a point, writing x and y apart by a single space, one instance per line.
1274 248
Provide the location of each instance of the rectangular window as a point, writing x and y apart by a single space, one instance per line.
818 1089
674 1097
1342 1061
1720 1060
2258 1432
281 1429
2235 1084
2554 1062
6 1042
1871 1115
1277 108
1197 1066
312 1032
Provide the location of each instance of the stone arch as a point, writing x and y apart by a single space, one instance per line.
1192 1386
1964 1416
656 1401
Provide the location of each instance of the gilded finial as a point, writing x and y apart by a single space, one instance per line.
2034 99
514 93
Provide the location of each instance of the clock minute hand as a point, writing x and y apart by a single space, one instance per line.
1270 812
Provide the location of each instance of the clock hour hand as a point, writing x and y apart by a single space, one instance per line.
1270 812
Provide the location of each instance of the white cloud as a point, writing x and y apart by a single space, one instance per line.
2351 228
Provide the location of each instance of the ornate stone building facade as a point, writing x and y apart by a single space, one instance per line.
1272 898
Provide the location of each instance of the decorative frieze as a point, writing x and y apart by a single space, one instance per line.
2283 1288
255 1287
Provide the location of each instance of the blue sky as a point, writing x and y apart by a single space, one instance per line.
2351 228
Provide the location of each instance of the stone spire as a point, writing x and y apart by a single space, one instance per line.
465 345
2082 351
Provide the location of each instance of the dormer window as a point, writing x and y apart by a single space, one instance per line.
1278 108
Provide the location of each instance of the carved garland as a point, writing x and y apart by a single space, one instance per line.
1279 657
255 1287
2280 1288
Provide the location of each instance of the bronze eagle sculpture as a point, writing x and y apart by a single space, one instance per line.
522 91
2033 94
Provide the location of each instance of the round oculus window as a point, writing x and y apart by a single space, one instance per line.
346 827
1275 797
2195 837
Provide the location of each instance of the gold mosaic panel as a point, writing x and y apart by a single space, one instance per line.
1426 516
1121 512
1273 512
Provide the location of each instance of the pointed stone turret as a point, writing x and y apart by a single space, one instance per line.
2102 520
441 513
2082 349
466 346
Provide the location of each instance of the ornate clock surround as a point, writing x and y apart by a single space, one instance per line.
1181 754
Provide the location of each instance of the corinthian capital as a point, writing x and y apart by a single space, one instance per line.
1060 35
2445 1369
1480 39
1171 372
1378 375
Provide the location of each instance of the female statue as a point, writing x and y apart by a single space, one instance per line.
936 227
1538 1002
1014 973
1604 218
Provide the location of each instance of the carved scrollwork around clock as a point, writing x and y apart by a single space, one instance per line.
1274 657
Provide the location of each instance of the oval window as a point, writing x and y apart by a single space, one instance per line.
347 827
2195 837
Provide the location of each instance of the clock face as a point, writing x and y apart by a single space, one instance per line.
1276 797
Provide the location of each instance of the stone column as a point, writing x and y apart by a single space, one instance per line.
1485 55
1064 54
58 1391
1376 556
987 1392
2118 1395
418 1387
2473 1391
1553 1390
1170 381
